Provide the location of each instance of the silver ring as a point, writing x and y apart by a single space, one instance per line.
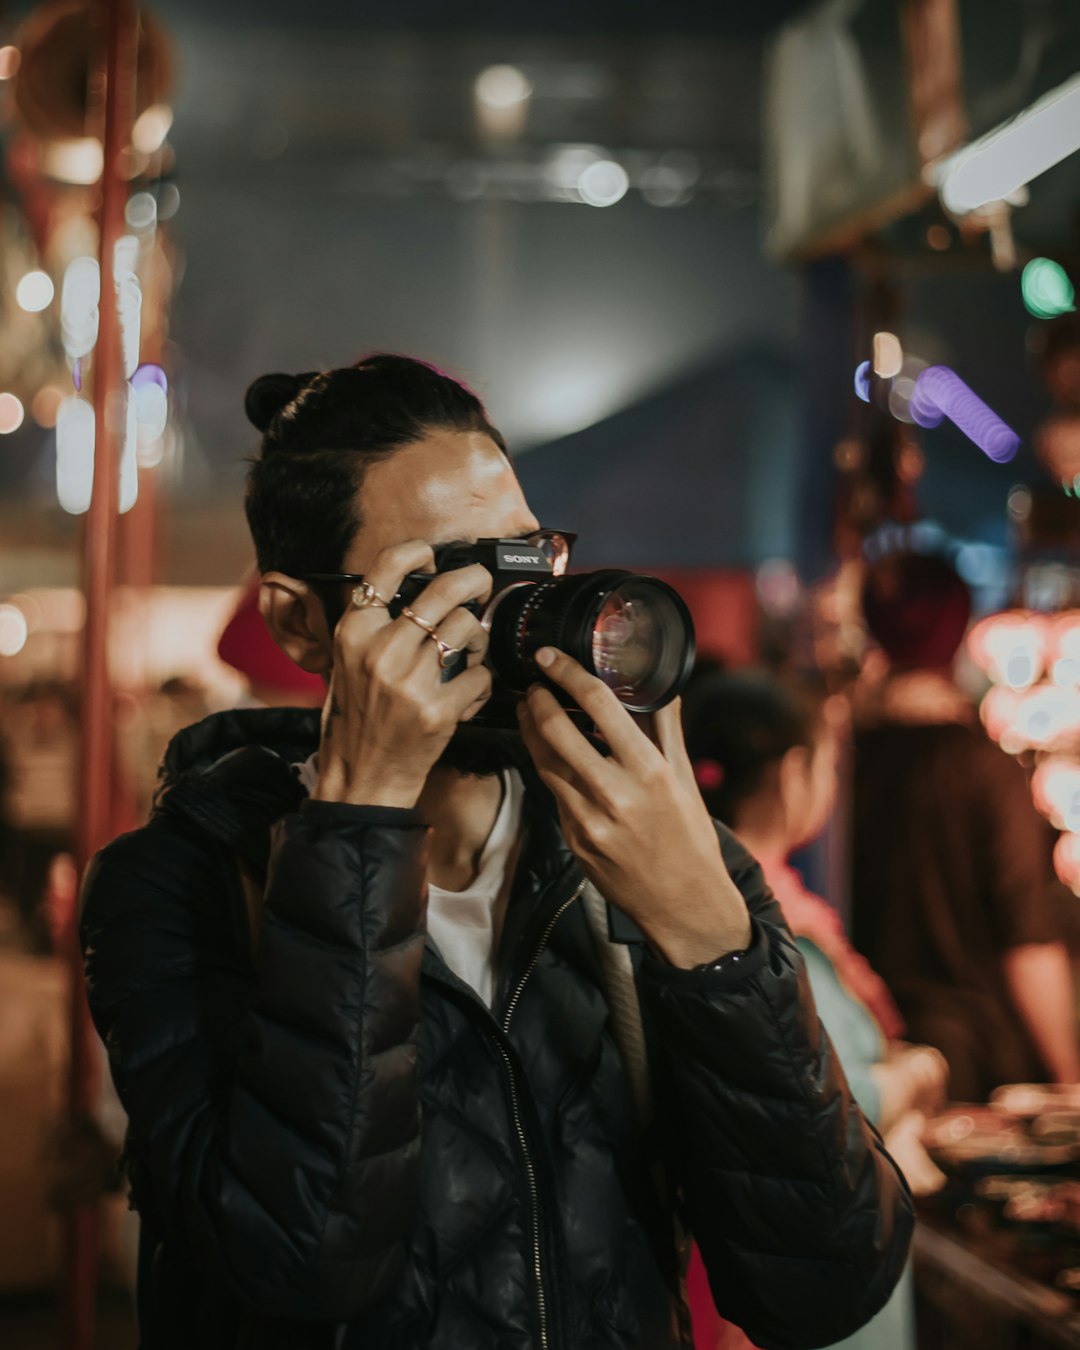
418 619
365 596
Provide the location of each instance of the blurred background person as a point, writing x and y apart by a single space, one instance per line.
952 887
765 757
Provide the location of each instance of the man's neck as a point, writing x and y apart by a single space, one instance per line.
461 811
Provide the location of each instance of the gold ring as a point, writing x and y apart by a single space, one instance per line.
447 654
365 596
420 621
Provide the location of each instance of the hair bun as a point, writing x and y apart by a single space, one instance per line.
269 394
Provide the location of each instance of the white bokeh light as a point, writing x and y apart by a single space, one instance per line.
603 183
35 292
502 87
14 630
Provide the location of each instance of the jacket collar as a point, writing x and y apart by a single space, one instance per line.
232 774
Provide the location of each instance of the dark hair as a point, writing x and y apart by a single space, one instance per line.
320 433
917 608
738 725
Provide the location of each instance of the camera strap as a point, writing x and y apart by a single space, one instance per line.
629 1031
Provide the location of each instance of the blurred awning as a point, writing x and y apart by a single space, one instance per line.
699 474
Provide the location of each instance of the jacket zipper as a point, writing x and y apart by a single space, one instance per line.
515 1106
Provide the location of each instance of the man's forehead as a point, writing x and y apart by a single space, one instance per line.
450 487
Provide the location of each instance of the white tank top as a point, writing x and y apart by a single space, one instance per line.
462 923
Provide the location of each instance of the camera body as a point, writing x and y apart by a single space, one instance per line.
632 631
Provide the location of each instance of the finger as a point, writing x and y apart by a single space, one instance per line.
465 633
467 693
388 570
450 590
628 743
669 736
545 717
554 771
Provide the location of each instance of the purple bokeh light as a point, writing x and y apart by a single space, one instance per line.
150 374
940 392
862 381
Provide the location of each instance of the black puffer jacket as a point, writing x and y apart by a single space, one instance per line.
333 1142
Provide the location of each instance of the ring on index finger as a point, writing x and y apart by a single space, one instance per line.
365 596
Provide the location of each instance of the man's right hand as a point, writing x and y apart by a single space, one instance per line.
388 715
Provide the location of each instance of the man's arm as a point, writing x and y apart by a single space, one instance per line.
1040 981
802 1219
274 1119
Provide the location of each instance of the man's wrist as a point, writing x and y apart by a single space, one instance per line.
702 945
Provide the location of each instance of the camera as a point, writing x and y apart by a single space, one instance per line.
631 630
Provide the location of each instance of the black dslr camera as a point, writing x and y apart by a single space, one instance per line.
632 631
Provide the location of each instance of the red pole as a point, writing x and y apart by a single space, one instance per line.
117 74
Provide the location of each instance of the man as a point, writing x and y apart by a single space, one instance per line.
952 885
380 1104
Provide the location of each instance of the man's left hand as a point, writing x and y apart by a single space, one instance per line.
635 819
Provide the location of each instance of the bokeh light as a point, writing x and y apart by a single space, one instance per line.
998 712
79 162
995 167
151 410
1046 289
1010 648
1045 715
502 87
80 296
129 454
75 439
140 213
151 127
168 201
10 60
888 355
603 183
45 405
862 381
150 373
938 237
940 388
12 414
1055 786
13 630
1067 861
35 292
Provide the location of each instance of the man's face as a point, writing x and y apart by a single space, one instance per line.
451 486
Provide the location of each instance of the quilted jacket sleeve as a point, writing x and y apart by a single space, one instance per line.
273 1111
802 1219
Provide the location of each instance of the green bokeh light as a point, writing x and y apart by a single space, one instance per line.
1046 289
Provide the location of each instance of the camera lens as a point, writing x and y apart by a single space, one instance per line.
634 632
639 643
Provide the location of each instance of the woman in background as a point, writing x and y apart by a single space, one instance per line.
765 757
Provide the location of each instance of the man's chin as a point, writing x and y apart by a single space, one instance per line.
482 752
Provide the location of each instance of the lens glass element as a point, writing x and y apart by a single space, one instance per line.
639 642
